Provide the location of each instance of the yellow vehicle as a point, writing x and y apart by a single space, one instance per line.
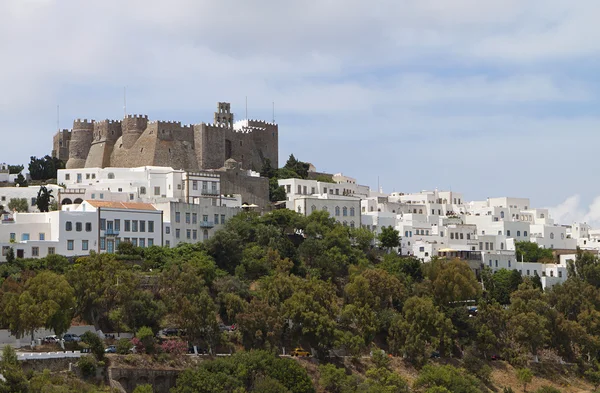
299 352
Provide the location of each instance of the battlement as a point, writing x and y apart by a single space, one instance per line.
83 124
162 122
108 121
137 117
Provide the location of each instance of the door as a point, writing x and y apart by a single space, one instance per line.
110 246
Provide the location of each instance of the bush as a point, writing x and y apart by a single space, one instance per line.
547 389
146 388
477 367
174 346
124 346
146 339
87 365
94 343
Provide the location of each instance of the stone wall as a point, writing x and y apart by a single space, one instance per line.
128 378
136 142
254 190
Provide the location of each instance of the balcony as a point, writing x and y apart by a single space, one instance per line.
206 191
111 232
206 224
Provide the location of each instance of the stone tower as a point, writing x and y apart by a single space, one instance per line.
223 115
133 128
81 141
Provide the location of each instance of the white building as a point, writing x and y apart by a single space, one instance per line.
29 193
5 175
74 231
296 188
345 209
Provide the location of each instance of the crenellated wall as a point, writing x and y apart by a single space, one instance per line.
135 141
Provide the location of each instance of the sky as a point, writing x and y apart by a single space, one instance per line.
488 98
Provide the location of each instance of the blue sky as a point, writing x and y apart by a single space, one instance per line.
490 98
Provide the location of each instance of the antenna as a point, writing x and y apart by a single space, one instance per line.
273 111
124 102
58 117
246 107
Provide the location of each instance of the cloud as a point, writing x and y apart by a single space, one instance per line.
478 96
573 210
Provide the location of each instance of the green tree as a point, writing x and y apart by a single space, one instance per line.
586 267
10 255
44 168
452 281
500 284
47 300
18 204
421 326
198 316
44 199
14 169
21 181
146 337
525 376
532 252
335 380
454 379
14 378
389 238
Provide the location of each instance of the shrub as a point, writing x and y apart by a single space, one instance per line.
146 337
174 346
547 389
124 346
94 344
87 365
146 388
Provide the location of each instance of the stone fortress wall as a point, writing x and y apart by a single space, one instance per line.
135 141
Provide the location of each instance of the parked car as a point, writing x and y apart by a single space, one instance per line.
435 355
71 337
299 352
227 328
51 339
111 349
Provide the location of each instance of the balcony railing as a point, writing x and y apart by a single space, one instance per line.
206 191
206 224
111 232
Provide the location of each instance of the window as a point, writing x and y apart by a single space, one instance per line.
337 191
194 234
103 243
134 241
312 190
167 230
111 175
551 235
88 226
501 214
509 263
78 227
117 225
288 188
102 224
299 189
150 226
194 218
337 211
134 225
70 244
177 217
42 236
351 224
188 234
461 236
51 250
167 243
93 175
452 235
507 233
67 176
491 245
481 245
69 226
560 274
518 233
551 273
304 189
150 242
222 219
127 225
468 236
187 218
562 235
157 191
177 233
502 245
127 240
101 196
525 233
205 234
142 242
142 190
195 185
142 226
35 251
344 211
325 190
33 201
84 245
351 212
216 219
490 263
487 246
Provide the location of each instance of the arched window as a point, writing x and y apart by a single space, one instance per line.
518 233
562 235
351 212
205 234
313 208
344 211
299 209
351 224
337 211
111 175
345 224
325 208
142 190
551 235
420 211
501 214
502 246
542 215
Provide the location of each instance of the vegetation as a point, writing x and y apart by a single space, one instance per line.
292 169
18 204
326 290
44 168
44 199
